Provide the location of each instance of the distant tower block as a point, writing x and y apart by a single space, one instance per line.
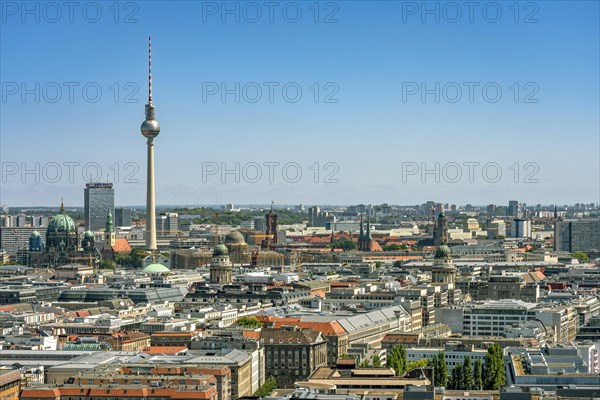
150 129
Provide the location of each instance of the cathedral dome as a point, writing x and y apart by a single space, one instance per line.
443 252
61 223
234 238
220 250
88 234
34 234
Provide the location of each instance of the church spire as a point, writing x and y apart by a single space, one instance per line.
109 223
362 234
62 206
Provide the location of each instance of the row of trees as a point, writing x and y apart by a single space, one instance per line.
467 376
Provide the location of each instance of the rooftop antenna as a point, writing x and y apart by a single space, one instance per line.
149 70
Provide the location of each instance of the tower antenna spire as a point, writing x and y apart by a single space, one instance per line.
149 69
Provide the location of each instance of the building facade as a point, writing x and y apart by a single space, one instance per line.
292 354
98 201
577 235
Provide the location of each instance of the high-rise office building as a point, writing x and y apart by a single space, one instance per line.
316 217
577 235
39 221
167 224
260 224
123 216
99 200
313 215
515 209
520 228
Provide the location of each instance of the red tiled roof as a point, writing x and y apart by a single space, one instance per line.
165 349
251 334
176 334
82 313
40 393
121 246
332 328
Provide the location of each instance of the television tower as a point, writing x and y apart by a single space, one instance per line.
150 129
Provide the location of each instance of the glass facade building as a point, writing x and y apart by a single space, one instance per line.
99 199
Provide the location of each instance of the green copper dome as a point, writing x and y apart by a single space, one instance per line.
155 268
61 223
220 250
35 234
443 252
88 234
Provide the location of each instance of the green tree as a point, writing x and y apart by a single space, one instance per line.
467 375
106 264
434 364
365 363
494 374
392 247
478 375
456 379
376 361
397 264
133 259
417 364
344 244
581 256
397 359
249 322
267 388
441 370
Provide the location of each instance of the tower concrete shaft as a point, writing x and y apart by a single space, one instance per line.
150 206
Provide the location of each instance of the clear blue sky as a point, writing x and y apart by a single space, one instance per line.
372 54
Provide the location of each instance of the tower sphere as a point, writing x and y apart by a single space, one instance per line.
150 127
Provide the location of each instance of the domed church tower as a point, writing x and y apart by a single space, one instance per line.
109 233
443 270
61 234
239 252
221 267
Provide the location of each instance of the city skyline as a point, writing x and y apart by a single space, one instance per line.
371 98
